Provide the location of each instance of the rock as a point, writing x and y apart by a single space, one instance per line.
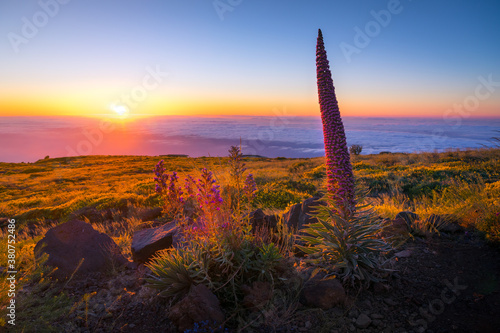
147 242
69 243
258 295
379 287
376 316
258 219
299 214
447 223
408 217
149 214
390 301
324 294
363 321
394 228
403 254
199 305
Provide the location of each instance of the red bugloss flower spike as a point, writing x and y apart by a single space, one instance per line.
338 164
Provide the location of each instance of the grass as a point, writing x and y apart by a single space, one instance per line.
111 191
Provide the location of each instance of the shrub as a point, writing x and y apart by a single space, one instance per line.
218 246
355 149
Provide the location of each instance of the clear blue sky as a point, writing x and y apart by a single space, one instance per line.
254 57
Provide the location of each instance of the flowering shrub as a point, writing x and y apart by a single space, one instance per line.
219 248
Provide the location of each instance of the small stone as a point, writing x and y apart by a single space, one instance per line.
323 294
353 313
363 321
403 254
390 301
376 316
199 305
378 323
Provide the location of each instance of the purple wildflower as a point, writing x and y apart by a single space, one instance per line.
249 187
161 178
338 164
208 196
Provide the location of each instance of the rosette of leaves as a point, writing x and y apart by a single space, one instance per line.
346 246
174 271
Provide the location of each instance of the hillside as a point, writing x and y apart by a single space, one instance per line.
116 194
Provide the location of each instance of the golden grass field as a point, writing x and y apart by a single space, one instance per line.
116 189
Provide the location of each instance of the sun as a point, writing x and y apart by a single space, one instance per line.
121 110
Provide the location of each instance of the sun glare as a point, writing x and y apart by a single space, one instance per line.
120 110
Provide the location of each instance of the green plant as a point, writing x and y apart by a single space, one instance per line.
174 271
346 245
355 149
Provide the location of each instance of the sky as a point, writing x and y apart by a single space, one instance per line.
408 58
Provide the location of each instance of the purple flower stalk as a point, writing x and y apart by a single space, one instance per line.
249 187
339 174
161 178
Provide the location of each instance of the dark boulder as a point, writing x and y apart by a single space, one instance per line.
147 242
397 228
323 293
258 220
199 305
257 295
150 214
300 214
75 247
408 217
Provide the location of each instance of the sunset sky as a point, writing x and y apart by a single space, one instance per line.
248 57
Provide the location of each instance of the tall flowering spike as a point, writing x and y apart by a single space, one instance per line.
338 164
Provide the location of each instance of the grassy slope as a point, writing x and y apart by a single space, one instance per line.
466 184
51 189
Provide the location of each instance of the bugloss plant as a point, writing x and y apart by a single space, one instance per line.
340 179
219 249
346 246
240 191
343 241
167 187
